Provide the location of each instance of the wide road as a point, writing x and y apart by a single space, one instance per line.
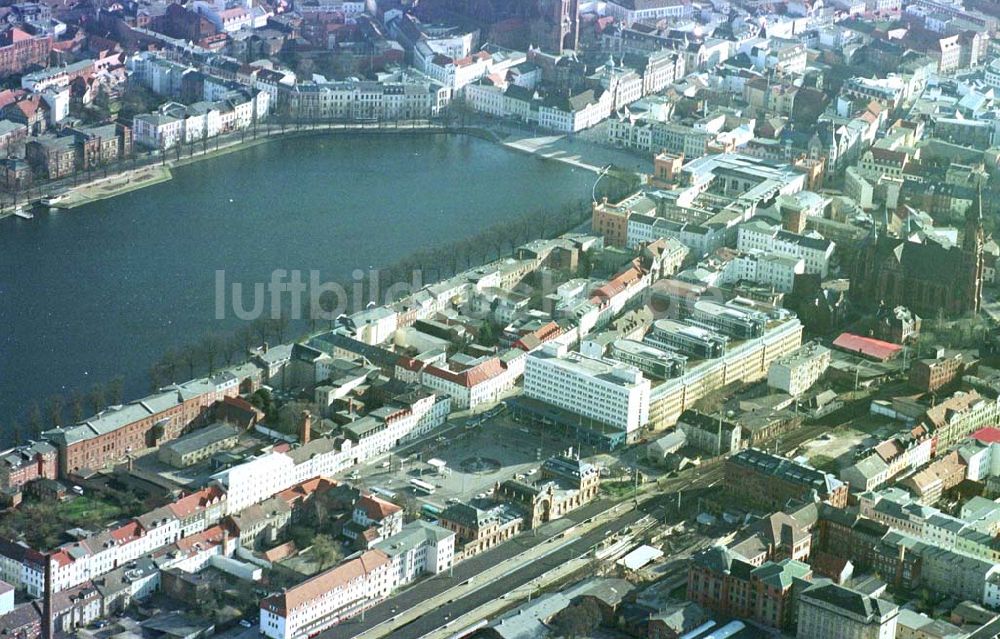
658 504
431 620
425 590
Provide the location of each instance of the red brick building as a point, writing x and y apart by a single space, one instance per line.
931 374
115 433
721 581
768 482
20 50
18 466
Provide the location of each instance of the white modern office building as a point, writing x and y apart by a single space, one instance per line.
601 389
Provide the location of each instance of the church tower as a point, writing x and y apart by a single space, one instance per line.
973 240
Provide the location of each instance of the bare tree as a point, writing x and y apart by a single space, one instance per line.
278 327
55 406
35 420
210 346
245 336
262 329
155 377
116 388
76 405
168 364
189 356
98 398
497 236
233 347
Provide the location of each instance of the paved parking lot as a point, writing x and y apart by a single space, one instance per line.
475 459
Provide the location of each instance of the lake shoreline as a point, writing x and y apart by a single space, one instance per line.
134 179
143 265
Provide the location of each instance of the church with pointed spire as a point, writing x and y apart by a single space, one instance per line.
924 276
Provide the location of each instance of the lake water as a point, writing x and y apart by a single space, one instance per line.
105 289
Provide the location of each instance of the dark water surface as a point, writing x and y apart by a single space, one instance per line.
105 289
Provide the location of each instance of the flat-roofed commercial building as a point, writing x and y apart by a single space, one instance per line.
686 339
743 362
652 361
602 389
796 372
198 445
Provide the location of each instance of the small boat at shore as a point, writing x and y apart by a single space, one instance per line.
21 213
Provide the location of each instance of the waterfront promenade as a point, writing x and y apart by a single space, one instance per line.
153 167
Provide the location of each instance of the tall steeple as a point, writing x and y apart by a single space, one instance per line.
974 236
973 242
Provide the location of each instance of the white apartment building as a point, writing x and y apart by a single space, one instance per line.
328 598
175 123
700 239
420 548
602 389
375 325
254 481
624 84
22 567
484 383
796 372
630 11
487 97
576 113
757 235
367 100
159 75
765 269
156 131
373 512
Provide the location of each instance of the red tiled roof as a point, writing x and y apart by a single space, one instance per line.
867 346
205 539
377 509
27 107
304 490
185 506
127 533
988 435
616 285
888 156
474 376
19 35
325 582
62 558
888 450
7 97
410 364
283 551
539 336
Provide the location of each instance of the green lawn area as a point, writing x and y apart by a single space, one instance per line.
84 509
823 462
42 523
618 489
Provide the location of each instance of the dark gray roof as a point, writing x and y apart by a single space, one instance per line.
849 600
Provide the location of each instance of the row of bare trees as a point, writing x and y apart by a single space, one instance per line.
74 405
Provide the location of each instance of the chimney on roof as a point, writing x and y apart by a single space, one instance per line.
305 430
264 347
